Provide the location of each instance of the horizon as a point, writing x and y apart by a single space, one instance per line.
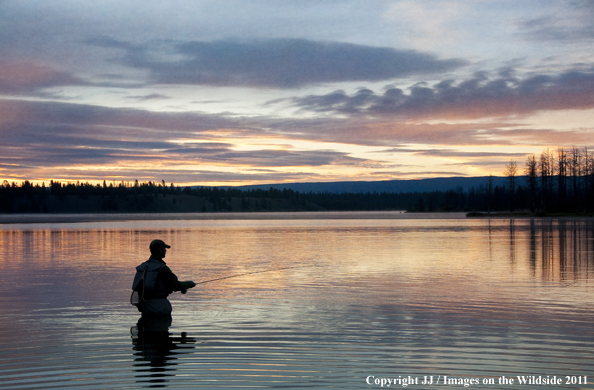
131 183
228 94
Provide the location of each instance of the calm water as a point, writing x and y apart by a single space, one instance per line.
343 302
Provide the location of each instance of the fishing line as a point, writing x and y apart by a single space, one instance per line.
251 273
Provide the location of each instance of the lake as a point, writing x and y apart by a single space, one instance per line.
322 300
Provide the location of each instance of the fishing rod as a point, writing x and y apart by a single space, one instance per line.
249 273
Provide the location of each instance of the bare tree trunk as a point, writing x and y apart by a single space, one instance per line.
547 163
511 171
562 178
575 167
531 172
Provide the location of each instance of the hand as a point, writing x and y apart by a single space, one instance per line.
183 291
193 284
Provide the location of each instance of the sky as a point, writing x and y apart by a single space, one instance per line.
237 92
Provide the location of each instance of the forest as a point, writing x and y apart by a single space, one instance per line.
552 183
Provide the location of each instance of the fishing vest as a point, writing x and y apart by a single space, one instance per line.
153 285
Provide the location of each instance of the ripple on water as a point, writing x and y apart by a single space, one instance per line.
346 300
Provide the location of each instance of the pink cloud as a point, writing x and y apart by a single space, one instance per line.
26 77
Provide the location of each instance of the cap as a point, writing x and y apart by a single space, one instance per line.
158 244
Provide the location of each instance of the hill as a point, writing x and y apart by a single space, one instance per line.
389 186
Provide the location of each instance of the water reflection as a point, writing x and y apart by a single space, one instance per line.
560 250
156 350
555 249
347 298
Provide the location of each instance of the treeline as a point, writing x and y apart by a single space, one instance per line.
141 197
158 197
561 182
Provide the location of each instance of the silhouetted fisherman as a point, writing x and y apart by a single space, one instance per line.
154 281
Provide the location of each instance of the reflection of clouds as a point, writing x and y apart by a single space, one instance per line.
353 248
442 294
445 262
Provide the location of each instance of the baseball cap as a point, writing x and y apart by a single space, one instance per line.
158 244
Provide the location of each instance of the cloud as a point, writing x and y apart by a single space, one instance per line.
23 78
473 98
152 96
118 123
284 158
276 63
432 24
570 22
387 133
44 140
76 139
60 134
453 153
393 132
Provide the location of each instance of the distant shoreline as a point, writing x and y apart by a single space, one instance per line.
526 215
118 217
42 218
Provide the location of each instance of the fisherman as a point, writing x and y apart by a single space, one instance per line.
157 281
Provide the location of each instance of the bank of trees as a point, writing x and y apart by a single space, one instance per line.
554 182
561 181
158 197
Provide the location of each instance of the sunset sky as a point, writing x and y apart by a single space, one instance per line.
231 92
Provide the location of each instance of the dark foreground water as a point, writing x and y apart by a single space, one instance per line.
344 303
